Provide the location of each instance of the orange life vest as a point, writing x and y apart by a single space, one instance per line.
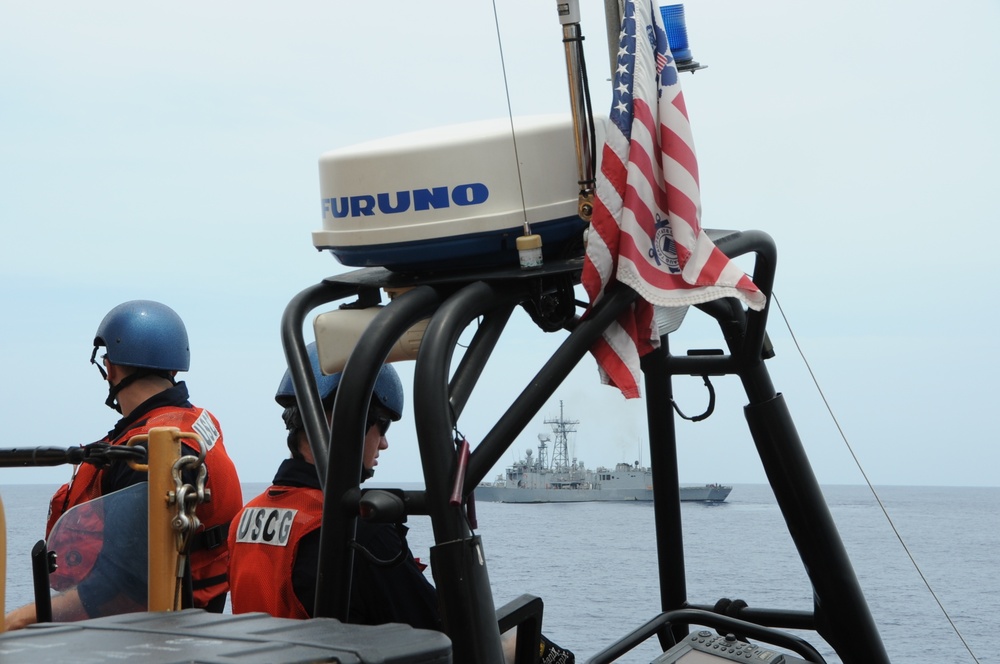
209 560
263 543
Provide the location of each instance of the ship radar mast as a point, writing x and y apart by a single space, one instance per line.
561 427
543 457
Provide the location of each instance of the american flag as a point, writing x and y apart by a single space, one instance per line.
646 226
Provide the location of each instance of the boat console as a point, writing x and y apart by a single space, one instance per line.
705 647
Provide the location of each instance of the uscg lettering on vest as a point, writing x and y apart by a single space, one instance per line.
366 205
265 525
205 427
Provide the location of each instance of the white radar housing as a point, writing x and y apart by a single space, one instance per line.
454 197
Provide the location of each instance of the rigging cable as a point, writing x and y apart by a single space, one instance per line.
871 488
510 116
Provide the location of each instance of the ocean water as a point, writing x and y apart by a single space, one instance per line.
593 564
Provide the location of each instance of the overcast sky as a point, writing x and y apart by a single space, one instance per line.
170 151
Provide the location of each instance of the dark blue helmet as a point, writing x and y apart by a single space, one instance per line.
145 334
388 390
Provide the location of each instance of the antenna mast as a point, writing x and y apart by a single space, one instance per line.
560 449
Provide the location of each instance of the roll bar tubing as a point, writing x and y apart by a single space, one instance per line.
451 302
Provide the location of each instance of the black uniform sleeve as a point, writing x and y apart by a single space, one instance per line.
400 593
304 570
379 595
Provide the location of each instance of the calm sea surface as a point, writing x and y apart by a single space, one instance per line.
593 564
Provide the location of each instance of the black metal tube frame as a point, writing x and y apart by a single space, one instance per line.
840 614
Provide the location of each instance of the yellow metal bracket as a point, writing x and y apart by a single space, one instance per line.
163 454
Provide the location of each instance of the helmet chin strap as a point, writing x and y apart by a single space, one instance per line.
367 473
93 360
113 390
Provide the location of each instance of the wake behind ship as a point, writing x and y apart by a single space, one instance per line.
534 479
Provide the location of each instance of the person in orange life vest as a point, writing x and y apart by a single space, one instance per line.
145 344
274 541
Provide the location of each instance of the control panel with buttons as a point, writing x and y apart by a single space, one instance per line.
705 647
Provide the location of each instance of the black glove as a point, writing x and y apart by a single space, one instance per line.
553 654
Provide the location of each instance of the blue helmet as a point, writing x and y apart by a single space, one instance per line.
388 390
145 334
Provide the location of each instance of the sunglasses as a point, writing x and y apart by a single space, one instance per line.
381 421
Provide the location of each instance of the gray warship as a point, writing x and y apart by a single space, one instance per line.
536 479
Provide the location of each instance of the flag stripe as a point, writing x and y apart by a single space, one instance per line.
646 227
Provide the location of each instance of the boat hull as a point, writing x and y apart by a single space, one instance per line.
498 494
